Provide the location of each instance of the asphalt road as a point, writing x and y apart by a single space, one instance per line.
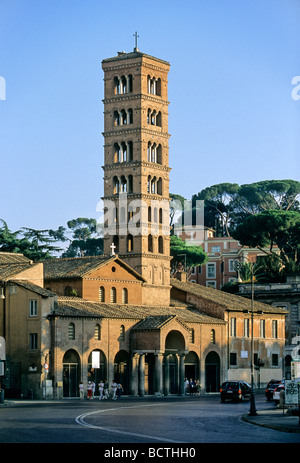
157 422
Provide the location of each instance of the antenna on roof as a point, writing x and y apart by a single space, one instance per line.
136 41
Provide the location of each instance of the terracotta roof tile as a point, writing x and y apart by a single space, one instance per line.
226 300
74 306
78 267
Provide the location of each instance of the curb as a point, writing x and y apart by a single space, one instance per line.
269 419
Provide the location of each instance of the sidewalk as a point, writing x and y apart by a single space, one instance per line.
275 419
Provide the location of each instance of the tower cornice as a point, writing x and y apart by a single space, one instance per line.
137 130
131 164
139 96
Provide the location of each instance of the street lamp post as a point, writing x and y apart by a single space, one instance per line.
252 410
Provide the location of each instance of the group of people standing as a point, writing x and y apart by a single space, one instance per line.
191 386
105 392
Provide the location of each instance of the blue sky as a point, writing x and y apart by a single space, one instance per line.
232 117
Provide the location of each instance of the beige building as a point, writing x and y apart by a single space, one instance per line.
120 316
223 252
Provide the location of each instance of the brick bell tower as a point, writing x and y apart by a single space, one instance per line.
136 168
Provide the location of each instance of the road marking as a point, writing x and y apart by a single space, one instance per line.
80 419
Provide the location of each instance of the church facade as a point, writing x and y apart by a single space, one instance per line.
121 316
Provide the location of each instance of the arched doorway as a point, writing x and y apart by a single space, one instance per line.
96 374
212 372
175 344
71 373
121 369
191 366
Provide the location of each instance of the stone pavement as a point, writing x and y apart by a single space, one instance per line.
277 419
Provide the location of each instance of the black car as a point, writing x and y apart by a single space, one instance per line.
271 386
235 390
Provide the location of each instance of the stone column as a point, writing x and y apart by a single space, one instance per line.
134 384
176 373
181 374
158 374
142 375
127 84
167 376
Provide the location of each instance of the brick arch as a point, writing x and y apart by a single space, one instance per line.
121 369
175 341
71 373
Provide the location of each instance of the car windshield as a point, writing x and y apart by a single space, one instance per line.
231 385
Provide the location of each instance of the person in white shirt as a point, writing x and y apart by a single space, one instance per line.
101 389
114 389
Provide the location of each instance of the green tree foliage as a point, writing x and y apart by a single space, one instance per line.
189 256
219 203
39 245
176 207
35 244
226 205
269 228
85 238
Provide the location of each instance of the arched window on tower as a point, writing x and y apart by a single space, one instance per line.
154 85
160 215
116 185
160 245
123 185
150 243
116 155
158 119
153 185
154 117
159 186
129 243
130 154
149 184
130 183
116 118
159 154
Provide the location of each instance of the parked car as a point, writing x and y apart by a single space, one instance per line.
271 386
235 390
276 394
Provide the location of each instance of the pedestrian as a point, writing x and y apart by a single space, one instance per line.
119 390
81 390
186 386
113 389
89 390
93 388
198 387
101 389
106 394
192 386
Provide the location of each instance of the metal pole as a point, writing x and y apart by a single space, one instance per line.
252 411
299 402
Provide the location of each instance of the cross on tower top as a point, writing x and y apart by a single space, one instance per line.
113 247
136 41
